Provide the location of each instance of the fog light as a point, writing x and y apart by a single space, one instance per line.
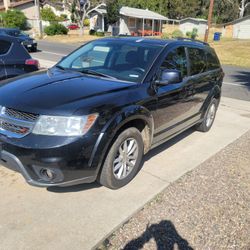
47 174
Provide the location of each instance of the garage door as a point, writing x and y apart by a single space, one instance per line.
244 32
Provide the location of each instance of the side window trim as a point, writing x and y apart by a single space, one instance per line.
188 62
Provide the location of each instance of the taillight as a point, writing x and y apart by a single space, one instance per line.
33 62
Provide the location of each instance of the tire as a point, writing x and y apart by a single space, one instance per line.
209 117
114 175
34 49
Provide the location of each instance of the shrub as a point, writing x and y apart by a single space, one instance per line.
86 22
56 29
92 32
193 34
100 33
165 36
177 33
47 14
14 19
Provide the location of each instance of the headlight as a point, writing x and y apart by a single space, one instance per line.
64 126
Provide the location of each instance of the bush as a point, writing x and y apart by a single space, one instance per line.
193 34
177 33
92 32
47 14
100 33
86 22
14 19
56 29
165 36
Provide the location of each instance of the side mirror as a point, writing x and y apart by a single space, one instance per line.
169 76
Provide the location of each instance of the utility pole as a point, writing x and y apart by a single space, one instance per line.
209 21
38 18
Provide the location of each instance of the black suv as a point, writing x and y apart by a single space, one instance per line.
99 110
29 43
14 58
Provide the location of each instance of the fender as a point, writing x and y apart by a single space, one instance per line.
111 128
215 91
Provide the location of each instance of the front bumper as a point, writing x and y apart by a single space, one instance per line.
68 162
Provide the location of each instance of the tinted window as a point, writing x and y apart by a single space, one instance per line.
212 61
197 59
4 47
176 59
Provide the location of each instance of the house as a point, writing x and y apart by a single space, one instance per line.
26 6
58 7
188 24
98 19
132 21
241 28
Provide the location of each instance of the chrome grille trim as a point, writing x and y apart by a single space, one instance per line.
20 115
16 124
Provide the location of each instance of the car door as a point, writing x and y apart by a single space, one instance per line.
200 77
175 101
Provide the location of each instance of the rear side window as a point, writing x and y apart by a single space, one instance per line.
176 59
4 47
197 60
212 61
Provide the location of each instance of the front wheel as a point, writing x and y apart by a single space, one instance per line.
209 116
123 159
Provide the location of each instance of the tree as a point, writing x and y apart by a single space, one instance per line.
244 4
14 19
79 9
113 11
47 14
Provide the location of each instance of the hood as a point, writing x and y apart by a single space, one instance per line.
44 91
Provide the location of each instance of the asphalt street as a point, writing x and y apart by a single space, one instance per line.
236 81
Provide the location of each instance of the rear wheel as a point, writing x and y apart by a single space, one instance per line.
123 159
209 117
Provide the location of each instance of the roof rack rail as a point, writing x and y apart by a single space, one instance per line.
192 40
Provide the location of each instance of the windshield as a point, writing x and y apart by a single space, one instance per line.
127 61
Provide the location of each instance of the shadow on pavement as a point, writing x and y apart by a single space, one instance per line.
168 144
165 235
242 77
73 189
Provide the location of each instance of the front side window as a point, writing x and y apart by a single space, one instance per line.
197 60
128 61
176 59
4 47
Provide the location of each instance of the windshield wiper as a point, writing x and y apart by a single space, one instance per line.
59 67
95 73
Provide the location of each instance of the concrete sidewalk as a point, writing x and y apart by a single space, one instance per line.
80 217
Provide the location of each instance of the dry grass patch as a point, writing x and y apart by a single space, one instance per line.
233 51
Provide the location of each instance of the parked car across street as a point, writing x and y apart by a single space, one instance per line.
29 43
14 58
100 109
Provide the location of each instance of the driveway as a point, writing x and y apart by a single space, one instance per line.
80 217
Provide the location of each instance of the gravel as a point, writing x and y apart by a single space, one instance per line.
208 208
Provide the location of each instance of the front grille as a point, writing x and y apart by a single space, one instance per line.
20 115
16 124
13 128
